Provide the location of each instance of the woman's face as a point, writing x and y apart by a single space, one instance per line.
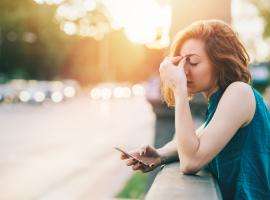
198 69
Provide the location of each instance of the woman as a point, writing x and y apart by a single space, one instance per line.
234 142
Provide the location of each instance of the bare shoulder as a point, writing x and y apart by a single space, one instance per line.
240 87
242 90
242 95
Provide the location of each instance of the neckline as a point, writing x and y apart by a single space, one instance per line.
214 96
212 100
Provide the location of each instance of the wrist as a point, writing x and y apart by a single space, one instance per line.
180 96
164 159
180 92
162 156
167 156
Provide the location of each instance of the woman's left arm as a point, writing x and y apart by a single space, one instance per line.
234 109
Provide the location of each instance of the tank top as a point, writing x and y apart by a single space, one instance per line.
242 167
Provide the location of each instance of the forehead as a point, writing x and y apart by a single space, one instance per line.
193 46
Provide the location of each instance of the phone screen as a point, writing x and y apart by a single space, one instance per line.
129 155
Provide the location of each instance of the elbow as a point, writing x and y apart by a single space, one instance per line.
189 169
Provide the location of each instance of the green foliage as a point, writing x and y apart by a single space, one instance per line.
40 59
135 188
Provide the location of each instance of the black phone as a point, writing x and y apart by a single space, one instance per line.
131 156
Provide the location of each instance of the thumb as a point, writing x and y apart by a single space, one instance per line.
176 59
182 61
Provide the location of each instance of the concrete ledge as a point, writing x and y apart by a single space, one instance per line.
170 183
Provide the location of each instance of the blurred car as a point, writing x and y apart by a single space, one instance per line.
8 94
106 91
37 92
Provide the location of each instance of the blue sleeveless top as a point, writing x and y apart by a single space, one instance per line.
242 168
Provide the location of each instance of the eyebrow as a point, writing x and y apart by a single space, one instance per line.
191 54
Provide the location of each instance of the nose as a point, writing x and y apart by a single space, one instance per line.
186 68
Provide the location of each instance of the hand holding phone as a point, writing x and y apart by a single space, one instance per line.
131 156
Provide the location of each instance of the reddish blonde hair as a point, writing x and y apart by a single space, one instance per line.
226 53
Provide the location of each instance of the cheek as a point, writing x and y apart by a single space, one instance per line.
202 75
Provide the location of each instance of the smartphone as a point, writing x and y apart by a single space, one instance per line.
131 156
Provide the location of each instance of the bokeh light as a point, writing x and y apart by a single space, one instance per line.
122 92
95 93
24 96
69 91
57 97
39 96
69 28
95 18
138 90
49 2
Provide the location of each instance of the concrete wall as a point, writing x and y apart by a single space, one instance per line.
171 184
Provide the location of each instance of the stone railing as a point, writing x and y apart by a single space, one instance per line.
171 184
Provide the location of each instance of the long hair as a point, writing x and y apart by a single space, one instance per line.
225 51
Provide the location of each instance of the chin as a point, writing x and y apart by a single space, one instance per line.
191 91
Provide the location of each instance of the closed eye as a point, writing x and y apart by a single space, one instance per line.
193 64
190 62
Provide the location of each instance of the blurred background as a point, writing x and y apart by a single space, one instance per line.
78 77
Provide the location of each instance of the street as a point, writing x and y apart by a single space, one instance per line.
65 151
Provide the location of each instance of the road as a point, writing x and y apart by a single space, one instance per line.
65 151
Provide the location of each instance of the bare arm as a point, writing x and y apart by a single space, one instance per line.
230 115
169 152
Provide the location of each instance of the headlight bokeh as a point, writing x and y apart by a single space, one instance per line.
38 92
116 91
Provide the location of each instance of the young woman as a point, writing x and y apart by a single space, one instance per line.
234 142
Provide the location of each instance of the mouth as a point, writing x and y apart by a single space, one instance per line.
189 84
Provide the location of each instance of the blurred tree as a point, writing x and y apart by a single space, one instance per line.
263 7
31 45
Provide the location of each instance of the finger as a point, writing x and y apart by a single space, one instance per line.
176 59
152 165
146 150
123 156
130 162
137 166
142 151
136 153
182 61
